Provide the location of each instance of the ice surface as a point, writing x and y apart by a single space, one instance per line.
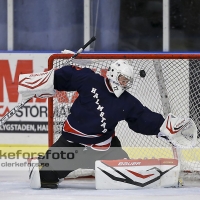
14 185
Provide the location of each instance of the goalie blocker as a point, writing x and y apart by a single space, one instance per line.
136 174
39 85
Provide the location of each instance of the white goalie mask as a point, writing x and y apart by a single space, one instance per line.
120 75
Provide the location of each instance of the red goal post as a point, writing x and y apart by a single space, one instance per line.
170 84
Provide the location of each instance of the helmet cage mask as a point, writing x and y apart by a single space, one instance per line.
120 74
126 80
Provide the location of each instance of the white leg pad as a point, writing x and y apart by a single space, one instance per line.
34 174
136 174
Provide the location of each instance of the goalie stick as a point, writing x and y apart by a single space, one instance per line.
12 112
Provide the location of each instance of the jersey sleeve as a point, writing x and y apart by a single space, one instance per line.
142 120
70 78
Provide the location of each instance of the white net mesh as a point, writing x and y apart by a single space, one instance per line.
165 85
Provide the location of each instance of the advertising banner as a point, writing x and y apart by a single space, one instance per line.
32 118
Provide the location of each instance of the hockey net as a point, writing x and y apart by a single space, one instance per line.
163 82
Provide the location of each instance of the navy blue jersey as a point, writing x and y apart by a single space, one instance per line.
96 112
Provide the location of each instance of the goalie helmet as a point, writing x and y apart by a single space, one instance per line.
120 75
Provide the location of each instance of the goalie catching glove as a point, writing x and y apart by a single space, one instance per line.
39 85
181 132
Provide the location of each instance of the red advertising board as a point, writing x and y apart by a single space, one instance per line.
32 118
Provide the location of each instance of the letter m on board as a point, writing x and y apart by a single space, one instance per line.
10 79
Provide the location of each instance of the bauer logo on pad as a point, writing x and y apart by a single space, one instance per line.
135 174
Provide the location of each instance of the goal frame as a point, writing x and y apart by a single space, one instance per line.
108 56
